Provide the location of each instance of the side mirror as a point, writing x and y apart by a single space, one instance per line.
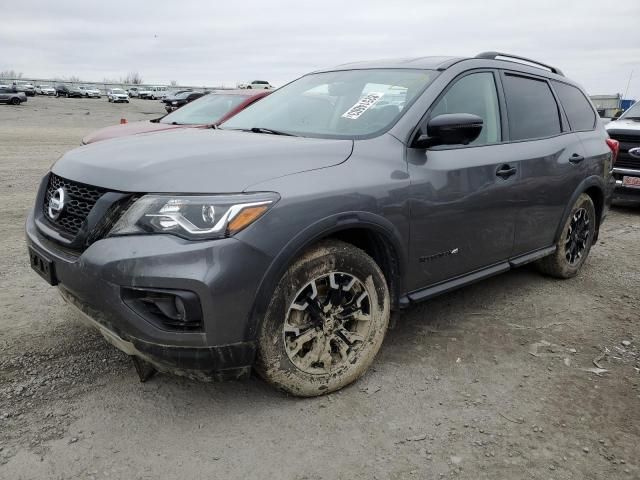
450 129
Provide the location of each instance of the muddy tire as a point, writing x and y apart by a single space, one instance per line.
575 241
326 321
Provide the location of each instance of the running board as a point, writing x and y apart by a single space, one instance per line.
532 257
458 282
449 285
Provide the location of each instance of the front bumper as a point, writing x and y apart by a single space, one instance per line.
216 271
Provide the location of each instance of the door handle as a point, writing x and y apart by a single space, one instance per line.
575 158
505 171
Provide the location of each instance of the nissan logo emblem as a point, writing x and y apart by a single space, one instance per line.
635 152
56 203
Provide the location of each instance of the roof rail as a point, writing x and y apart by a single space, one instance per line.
507 56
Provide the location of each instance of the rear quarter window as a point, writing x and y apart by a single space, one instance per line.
576 106
531 108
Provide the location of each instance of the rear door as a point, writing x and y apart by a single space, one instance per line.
4 94
550 155
584 121
463 196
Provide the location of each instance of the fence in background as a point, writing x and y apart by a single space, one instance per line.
104 86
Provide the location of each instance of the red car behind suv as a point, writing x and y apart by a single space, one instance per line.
207 111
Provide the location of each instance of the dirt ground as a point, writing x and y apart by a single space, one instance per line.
464 386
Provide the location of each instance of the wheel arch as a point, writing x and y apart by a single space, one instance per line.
370 232
594 187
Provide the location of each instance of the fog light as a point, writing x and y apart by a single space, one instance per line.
173 309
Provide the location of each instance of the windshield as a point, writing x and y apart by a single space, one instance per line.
117 90
342 104
632 112
205 110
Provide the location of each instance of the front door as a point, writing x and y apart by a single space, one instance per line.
463 197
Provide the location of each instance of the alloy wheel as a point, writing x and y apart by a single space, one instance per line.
577 236
327 323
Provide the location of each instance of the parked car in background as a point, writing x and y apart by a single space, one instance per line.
68 91
174 92
626 130
133 92
45 90
154 92
144 93
9 95
207 111
176 101
90 92
26 87
256 84
116 95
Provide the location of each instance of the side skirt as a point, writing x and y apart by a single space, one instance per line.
473 277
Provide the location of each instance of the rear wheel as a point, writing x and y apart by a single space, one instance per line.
326 321
575 241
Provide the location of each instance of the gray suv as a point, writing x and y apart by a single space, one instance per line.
283 240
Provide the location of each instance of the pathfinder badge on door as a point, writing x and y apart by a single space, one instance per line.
439 255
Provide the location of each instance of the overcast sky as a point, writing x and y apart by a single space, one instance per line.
213 42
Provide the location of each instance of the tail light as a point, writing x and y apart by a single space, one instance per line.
614 145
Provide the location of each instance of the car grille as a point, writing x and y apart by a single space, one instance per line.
627 142
80 200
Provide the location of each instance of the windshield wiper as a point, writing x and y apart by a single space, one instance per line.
270 131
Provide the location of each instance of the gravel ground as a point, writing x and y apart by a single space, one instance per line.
492 381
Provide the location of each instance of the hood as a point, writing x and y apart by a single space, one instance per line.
195 160
624 126
126 129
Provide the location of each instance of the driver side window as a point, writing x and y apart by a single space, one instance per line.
475 93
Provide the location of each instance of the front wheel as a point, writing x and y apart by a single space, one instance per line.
15 101
326 321
575 241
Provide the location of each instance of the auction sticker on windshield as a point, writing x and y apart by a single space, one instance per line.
362 105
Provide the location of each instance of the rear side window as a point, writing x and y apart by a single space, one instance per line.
532 109
576 106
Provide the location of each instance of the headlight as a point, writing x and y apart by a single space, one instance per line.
174 103
194 217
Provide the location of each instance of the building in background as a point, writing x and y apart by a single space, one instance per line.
611 106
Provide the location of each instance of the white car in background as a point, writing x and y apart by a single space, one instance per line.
45 90
144 92
157 92
257 85
134 92
117 95
90 92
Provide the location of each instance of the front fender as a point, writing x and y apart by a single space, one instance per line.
312 234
